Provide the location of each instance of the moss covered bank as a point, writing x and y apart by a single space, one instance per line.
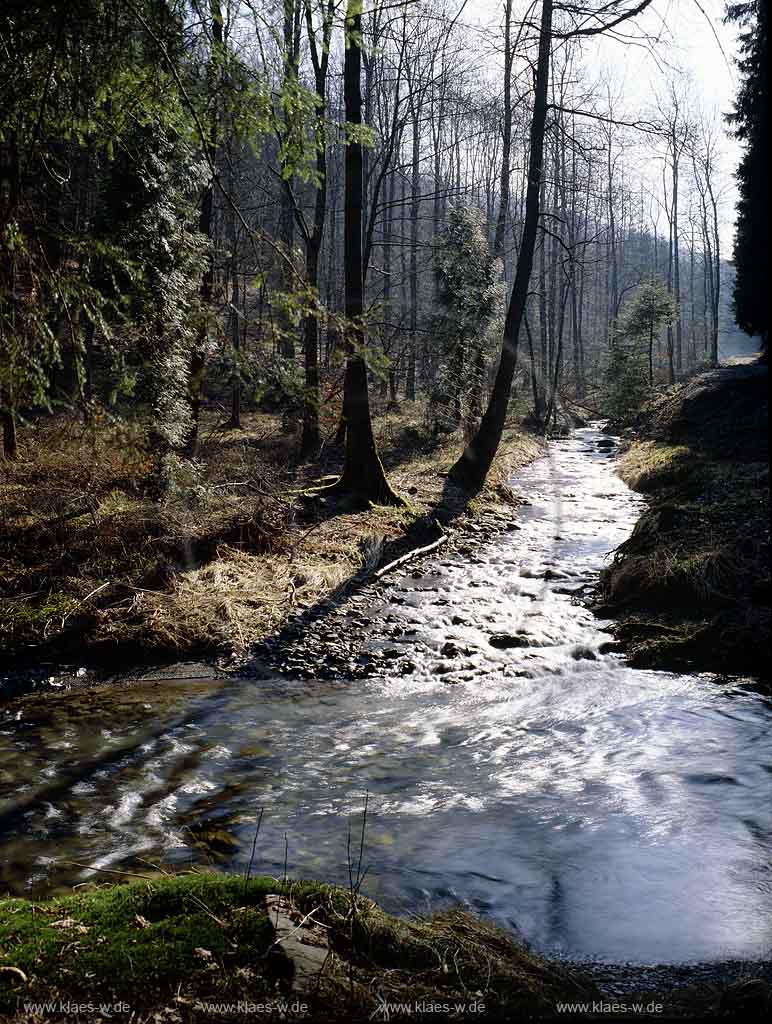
187 947
196 947
691 586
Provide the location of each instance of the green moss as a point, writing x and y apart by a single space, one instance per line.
23 614
649 465
662 644
135 942
207 936
27 621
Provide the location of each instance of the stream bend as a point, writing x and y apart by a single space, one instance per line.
598 810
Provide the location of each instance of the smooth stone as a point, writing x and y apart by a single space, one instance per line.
505 641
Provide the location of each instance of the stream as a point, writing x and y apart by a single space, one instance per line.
600 812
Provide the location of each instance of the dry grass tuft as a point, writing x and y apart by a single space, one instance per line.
649 465
452 956
87 559
693 580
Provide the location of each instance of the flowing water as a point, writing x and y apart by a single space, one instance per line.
600 811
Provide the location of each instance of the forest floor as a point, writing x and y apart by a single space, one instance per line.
190 947
93 569
691 587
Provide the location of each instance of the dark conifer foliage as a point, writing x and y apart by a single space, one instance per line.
750 120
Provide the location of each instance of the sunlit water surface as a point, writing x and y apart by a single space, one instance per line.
597 810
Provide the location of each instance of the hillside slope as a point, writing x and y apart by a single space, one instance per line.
690 588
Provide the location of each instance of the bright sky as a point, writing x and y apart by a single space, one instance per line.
689 36
693 38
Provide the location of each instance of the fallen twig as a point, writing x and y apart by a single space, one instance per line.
108 871
86 598
15 970
414 553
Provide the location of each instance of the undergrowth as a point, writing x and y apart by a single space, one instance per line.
91 560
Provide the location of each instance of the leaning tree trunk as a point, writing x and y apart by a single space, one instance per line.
470 470
363 473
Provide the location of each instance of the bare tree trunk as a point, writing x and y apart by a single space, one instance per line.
388 218
363 473
581 382
235 420
692 318
410 391
506 150
234 324
9 204
292 11
10 444
679 357
472 467
716 276
404 310
613 265
310 437
543 371
670 344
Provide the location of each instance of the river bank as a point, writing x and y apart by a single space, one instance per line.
515 761
182 948
615 819
690 588
95 577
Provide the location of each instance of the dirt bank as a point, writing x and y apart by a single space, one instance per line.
690 588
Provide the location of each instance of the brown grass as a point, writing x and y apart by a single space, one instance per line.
692 582
649 465
89 560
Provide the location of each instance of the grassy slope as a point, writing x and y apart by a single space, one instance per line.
692 582
88 561
167 943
